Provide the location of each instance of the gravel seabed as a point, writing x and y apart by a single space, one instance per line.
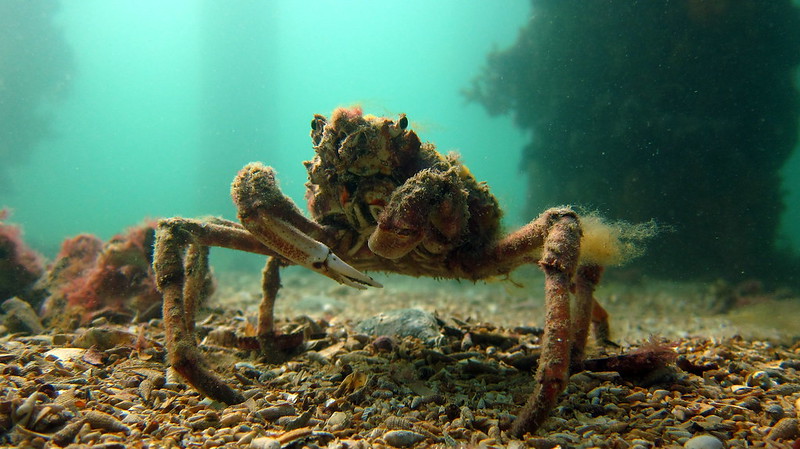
107 386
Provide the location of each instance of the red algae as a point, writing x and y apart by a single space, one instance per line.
115 279
20 266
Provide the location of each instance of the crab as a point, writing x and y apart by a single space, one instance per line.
380 200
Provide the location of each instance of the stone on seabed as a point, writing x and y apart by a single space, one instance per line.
703 442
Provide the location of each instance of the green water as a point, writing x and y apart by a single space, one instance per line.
150 107
169 99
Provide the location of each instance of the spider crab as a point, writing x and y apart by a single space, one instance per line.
381 200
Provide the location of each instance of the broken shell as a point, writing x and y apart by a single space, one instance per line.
759 379
23 413
48 417
104 421
68 433
785 429
338 421
398 423
145 388
247 438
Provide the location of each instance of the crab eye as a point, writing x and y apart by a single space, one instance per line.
403 123
314 124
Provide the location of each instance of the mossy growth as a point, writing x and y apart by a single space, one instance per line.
611 243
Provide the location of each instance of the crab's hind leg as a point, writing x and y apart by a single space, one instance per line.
270 284
600 327
198 285
181 268
587 312
274 347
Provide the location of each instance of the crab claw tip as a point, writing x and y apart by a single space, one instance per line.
337 269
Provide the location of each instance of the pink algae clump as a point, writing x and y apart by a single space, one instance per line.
90 279
20 266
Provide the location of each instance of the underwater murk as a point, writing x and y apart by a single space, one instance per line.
452 224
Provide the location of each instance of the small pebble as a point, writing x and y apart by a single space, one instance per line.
703 442
681 413
638 396
20 317
274 412
231 419
785 389
402 438
402 323
659 395
265 443
751 403
604 390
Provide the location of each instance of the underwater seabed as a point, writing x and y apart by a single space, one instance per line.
639 309
459 384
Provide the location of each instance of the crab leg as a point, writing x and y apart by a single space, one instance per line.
274 220
270 284
586 307
554 239
559 260
181 268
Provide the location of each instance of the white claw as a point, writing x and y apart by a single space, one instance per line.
303 250
337 269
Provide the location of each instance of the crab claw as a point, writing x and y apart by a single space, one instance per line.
335 268
301 249
297 247
272 218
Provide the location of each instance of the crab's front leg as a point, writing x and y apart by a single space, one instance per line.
181 267
561 233
275 220
552 241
